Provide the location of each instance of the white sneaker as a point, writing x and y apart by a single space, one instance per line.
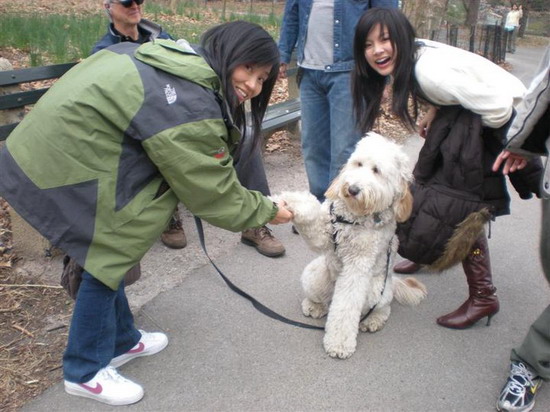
107 386
149 344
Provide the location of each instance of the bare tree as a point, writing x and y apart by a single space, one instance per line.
425 15
526 6
472 11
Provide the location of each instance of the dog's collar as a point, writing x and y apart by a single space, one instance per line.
335 218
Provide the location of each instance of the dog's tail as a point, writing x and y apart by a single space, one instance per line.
408 291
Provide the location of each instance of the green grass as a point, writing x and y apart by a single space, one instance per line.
60 38
54 38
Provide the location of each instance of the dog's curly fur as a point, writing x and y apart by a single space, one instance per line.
353 231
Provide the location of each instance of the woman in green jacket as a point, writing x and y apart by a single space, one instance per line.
102 160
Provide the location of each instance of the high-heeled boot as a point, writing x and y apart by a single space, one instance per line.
482 300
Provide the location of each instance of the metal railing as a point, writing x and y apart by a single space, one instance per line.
488 40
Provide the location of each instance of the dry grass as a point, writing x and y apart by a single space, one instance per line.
33 331
33 327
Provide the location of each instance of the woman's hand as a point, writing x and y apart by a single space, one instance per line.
283 215
512 162
426 122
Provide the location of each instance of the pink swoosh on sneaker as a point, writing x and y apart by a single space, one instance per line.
96 391
140 348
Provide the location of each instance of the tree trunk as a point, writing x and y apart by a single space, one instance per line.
425 15
524 18
472 11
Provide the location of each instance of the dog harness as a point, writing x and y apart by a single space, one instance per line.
335 218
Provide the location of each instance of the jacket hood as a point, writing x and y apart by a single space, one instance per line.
166 55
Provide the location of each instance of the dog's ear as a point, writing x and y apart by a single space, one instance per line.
332 191
334 188
403 206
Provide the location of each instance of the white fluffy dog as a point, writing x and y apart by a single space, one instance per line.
353 230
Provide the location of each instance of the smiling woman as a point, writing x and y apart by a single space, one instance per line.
472 103
248 80
178 148
379 51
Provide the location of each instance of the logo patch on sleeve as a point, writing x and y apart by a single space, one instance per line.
220 153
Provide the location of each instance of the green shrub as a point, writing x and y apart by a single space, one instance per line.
55 38
59 37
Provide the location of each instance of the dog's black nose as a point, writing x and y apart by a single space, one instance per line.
354 190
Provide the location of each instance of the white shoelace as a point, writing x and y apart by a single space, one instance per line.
521 371
111 373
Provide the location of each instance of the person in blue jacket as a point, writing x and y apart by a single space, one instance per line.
128 24
322 33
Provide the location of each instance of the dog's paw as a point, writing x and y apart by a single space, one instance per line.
338 347
304 205
371 325
375 321
315 310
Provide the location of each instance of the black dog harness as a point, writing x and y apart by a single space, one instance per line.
334 218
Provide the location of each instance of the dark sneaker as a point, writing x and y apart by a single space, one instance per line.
519 392
107 386
264 241
174 236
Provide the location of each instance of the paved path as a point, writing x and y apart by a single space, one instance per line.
225 356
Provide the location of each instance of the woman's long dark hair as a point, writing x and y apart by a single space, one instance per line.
368 85
239 42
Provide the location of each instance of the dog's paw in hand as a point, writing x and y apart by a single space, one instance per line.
341 348
313 309
303 204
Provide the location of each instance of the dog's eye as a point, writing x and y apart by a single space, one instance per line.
375 170
359 164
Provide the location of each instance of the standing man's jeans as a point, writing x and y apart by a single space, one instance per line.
329 134
102 328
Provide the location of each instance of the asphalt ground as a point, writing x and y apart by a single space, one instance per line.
224 355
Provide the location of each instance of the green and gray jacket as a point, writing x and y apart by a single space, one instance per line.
88 166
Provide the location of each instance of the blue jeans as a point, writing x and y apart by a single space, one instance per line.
329 134
102 328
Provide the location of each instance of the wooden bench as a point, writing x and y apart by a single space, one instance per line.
278 116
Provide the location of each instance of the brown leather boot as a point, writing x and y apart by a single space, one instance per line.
174 236
264 241
407 267
482 300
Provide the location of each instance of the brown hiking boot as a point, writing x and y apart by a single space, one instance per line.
263 240
174 236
